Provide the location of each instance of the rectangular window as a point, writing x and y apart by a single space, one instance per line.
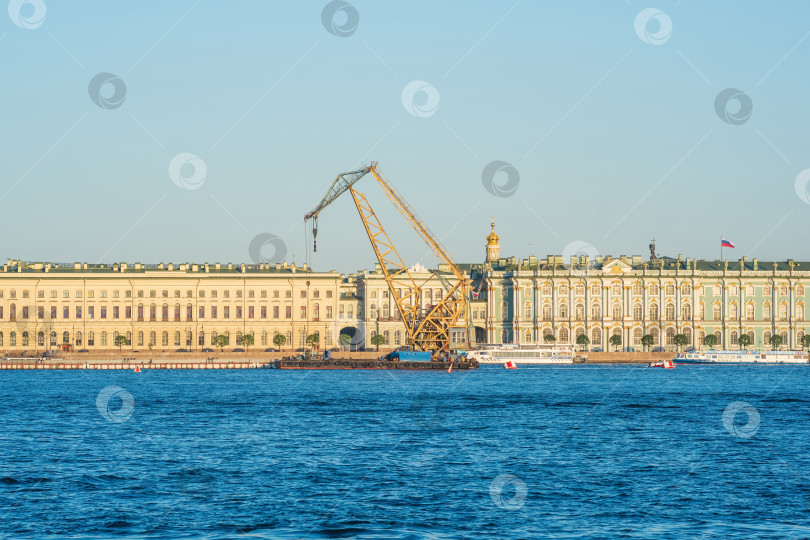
189 313
226 312
238 312
53 294
90 294
250 312
201 312
103 312
115 294
202 294
264 312
164 313
104 294
328 312
25 312
65 294
78 312
140 312
275 312
53 312
78 294
128 312
90 312
177 312
65 312
127 294
213 312
288 310
303 312
40 312
115 312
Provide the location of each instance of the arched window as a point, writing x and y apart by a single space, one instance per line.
751 336
1 339
670 289
749 290
563 289
164 339
595 289
716 313
732 310
653 289
78 337
152 312
617 289
688 333
800 312
783 290
129 338
766 337
655 335
547 312
201 339
638 312
653 311
563 335
152 339
350 312
783 313
579 311
732 290
41 339
799 290
638 333
579 290
341 311
596 311
12 339
719 337
686 289
749 311
596 336
53 338
177 339
686 312
373 311
397 337
670 333
528 336
103 339
546 289
637 288
527 310
65 337
766 312
733 338
670 311
563 311
91 338
505 336
617 311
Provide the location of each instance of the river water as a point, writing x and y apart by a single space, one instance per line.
537 452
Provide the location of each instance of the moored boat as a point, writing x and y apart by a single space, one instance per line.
525 354
742 357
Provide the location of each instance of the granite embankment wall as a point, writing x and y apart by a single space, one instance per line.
628 357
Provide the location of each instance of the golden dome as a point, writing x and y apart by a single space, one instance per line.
492 238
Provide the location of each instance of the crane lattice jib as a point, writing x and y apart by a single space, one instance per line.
428 330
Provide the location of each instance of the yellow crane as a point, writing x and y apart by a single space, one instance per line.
438 327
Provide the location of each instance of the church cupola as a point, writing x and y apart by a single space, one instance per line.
493 247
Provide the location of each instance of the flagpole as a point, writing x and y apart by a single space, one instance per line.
721 249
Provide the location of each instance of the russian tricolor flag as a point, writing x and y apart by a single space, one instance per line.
725 243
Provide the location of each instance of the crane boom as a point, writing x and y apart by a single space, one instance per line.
428 328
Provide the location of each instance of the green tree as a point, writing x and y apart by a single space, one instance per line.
583 340
279 340
247 340
647 340
313 340
776 341
744 341
345 340
805 342
120 341
377 340
549 338
680 340
711 341
615 340
220 341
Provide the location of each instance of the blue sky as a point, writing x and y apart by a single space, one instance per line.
615 139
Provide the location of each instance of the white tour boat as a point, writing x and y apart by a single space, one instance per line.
742 357
524 354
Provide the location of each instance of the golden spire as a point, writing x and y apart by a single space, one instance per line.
492 238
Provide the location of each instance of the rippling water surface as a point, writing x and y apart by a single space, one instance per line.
538 452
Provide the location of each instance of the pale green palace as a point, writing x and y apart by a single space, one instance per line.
631 297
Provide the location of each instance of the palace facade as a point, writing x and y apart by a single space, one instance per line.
167 307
